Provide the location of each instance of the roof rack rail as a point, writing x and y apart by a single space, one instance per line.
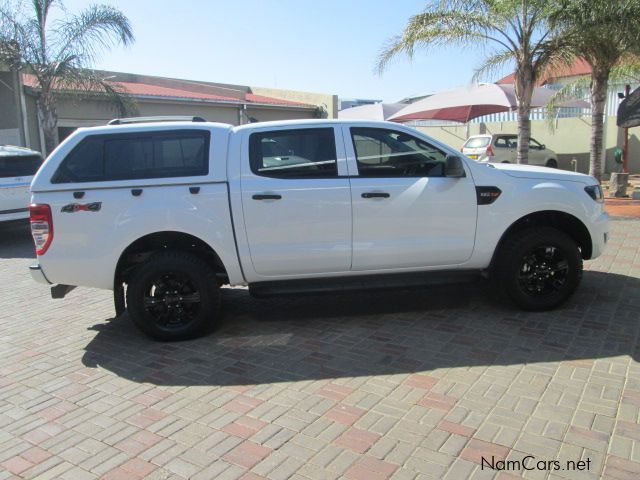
124 121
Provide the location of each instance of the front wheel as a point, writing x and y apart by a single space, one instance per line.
539 268
173 296
551 163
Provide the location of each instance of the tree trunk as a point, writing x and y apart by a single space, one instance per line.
524 133
524 92
48 119
599 83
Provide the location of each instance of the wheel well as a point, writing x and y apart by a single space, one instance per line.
562 221
140 250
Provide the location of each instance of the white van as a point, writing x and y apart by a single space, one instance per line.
17 167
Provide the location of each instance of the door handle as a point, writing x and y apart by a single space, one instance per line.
266 196
375 195
78 195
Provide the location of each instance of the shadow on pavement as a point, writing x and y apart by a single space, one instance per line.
381 333
15 240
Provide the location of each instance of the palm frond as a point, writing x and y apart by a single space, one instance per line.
578 88
86 35
86 84
493 65
437 27
626 72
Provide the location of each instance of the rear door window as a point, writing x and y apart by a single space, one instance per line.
136 156
300 153
19 165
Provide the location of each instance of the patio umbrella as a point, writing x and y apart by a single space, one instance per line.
466 103
375 111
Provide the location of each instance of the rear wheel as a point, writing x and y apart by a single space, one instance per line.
538 269
173 296
551 163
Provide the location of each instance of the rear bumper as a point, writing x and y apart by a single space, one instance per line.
57 291
38 274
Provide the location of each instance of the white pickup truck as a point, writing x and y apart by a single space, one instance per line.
164 213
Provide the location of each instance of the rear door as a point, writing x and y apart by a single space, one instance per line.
16 173
406 213
536 152
296 201
504 147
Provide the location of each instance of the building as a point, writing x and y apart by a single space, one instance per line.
233 104
356 102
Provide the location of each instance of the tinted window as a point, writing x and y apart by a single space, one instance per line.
389 153
19 165
294 153
136 156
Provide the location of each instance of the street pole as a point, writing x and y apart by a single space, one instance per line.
625 145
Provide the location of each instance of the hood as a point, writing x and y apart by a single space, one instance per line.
543 173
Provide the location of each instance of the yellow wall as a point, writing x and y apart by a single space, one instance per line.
570 139
329 102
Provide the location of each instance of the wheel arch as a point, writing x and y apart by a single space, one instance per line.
143 247
562 221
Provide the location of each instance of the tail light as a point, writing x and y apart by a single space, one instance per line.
490 151
41 226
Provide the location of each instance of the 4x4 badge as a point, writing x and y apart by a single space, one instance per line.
79 207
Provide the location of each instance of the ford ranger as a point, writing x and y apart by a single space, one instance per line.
164 213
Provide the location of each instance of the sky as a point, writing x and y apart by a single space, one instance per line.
327 46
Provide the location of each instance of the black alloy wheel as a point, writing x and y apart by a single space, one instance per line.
174 296
172 300
538 268
543 271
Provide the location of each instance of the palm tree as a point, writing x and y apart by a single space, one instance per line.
518 29
606 34
59 53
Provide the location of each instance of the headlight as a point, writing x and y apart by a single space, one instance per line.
595 192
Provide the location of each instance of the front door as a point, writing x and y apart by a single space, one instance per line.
406 213
297 209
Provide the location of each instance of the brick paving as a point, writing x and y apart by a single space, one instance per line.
415 384
623 207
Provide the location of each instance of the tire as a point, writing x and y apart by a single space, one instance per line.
174 296
538 268
551 163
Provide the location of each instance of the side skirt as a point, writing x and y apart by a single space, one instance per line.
362 283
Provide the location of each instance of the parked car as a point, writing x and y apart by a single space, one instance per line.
164 214
17 167
503 148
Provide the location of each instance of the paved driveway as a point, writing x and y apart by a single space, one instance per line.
404 385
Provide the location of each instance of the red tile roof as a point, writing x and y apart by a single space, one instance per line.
156 91
578 68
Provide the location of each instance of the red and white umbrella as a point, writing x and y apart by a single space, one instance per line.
466 103
374 111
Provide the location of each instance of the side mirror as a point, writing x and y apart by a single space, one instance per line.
542 147
454 167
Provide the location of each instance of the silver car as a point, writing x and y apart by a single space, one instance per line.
503 148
